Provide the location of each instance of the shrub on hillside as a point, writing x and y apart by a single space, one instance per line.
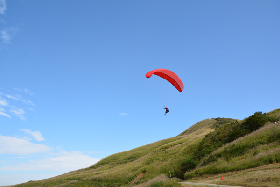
185 166
230 132
157 184
188 165
254 122
221 121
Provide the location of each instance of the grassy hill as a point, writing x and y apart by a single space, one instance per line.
209 147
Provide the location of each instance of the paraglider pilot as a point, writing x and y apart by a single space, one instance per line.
166 110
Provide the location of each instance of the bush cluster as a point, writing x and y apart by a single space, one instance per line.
230 132
221 121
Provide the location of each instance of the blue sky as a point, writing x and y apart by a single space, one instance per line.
72 75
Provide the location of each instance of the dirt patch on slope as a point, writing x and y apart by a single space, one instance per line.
137 178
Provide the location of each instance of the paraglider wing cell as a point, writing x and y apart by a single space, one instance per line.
170 76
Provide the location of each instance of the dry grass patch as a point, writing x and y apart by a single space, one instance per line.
137 178
197 126
161 177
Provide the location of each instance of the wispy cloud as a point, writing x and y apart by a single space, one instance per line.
54 161
3 6
3 102
18 112
123 114
25 90
28 102
36 134
2 112
7 34
13 97
20 146
63 161
19 97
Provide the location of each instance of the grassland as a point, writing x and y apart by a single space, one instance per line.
207 149
261 176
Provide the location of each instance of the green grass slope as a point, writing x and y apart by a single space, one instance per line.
211 146
260 146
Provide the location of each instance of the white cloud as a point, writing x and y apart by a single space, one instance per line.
8 33
19 97
5 36
28 91
18 112
2 112
13 97
18 157
54 162
27 102
25 90
3 6
36 134
13 145
3 102
123 114
63 162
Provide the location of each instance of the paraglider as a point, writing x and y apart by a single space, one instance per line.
166 110
171 77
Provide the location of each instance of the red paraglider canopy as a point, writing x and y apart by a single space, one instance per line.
170 76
